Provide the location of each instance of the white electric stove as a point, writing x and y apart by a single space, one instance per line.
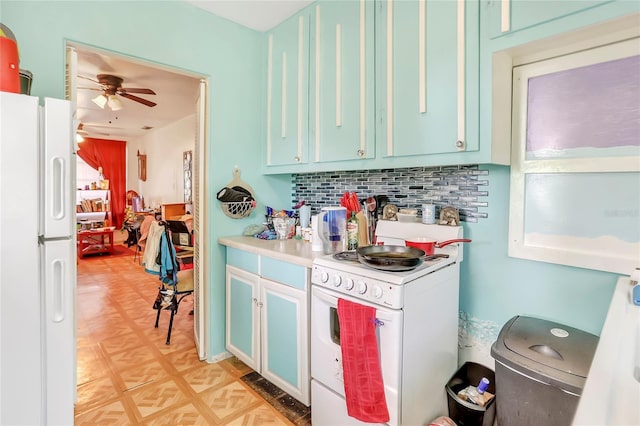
385 287
417 320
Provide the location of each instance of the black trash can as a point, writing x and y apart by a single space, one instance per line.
541 369
465 413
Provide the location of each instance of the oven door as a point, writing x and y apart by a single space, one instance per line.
326 356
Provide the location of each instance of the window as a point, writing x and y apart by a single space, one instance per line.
85 174
575 165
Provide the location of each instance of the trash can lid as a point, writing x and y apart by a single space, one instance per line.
561 353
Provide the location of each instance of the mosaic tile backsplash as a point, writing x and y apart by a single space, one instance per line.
463 187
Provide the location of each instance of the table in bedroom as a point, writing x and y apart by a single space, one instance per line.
95 241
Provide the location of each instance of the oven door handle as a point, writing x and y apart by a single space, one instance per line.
331 300
381 314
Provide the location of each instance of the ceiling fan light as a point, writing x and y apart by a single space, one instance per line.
79 138
100 100
114 103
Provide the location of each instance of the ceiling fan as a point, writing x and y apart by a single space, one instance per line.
111 87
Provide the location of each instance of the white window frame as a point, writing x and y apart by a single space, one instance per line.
586 257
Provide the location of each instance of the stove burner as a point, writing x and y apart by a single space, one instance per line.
346 255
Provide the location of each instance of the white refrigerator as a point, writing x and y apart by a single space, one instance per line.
37 261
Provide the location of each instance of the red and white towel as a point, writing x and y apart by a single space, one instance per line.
363 385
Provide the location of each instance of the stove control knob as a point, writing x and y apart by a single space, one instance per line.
377 292
337 280
361 287
349 284
324 276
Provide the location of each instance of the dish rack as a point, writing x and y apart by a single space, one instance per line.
238 209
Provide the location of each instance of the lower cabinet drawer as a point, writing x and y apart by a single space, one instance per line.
243 260
284 272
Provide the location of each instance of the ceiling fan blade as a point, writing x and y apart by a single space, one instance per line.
91 88
137 99
141 91
90 79
101 126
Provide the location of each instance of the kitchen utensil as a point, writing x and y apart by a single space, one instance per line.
373 217
428 245
332 223
350 202
363 230
391 258
381 202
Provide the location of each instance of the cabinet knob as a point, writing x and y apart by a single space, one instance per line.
460 145
361 153
297 159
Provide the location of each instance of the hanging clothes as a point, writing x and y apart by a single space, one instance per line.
152 248
160 255
167 259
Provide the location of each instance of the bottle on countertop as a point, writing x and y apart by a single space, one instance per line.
477 395
352 232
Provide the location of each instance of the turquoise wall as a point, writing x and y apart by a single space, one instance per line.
179 35
495 287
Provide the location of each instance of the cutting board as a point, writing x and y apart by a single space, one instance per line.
363 230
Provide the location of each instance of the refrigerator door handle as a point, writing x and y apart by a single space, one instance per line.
58 291
58 193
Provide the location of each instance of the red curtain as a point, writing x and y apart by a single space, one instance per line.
112 157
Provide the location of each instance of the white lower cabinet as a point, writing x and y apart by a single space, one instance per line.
267 323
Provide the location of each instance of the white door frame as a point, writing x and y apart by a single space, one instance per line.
201 277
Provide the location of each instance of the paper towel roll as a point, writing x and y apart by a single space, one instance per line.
316 242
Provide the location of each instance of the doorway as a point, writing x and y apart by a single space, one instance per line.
153 103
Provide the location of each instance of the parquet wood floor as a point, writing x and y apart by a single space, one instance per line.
127 375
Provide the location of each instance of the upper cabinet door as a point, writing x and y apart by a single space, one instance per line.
427 77
287 92
507 16
342 110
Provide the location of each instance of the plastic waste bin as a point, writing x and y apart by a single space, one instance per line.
541 368
466 413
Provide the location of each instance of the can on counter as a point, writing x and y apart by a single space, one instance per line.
428 214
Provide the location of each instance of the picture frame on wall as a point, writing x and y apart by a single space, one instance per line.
142 167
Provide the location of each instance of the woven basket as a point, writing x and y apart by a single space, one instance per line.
238 210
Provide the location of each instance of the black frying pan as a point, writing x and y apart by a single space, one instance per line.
392 258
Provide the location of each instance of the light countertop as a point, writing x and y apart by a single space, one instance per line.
293 251
611 392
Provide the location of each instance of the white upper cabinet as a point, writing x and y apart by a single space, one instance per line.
287 130
341 110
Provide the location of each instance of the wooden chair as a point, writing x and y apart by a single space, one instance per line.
169 297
